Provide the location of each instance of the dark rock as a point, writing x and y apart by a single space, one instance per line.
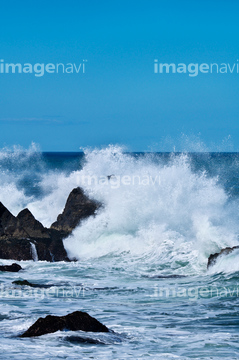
84 340
21 249
166 276
9 224
48 242
18 234
78 207
27 283
51 249
213 257
33 227
12 268
22 283
15 249
77 320
25 238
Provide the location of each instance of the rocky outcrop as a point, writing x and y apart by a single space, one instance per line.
24 238
77 320
19 235
78 207
12 268
32 226
9 225
15 249
214 257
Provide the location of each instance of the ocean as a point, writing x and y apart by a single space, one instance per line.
141 264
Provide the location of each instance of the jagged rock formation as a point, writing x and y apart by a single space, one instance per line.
18 236
24 238
78 207
9 225
33 227
77 320
213 257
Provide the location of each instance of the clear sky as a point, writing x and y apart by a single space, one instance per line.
119 99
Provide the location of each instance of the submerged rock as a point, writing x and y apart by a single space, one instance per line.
213 257
78 207
12 268
22 283
27 283
77 320
167 276
84 340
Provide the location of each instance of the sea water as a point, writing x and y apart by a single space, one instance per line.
141 264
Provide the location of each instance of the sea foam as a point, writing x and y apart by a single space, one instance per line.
153 210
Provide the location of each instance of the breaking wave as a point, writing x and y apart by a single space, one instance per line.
157 211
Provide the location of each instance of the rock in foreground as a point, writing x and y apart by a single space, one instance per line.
77 320
213 257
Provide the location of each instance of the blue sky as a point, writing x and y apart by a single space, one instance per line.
119 99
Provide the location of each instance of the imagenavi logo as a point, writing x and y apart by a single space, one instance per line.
40 69
193 69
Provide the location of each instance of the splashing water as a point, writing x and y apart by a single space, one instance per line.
157 211
34 252
180 218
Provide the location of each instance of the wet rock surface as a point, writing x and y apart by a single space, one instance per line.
32 226
78 207
25 238
27 283
12 268
77 320
213 257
